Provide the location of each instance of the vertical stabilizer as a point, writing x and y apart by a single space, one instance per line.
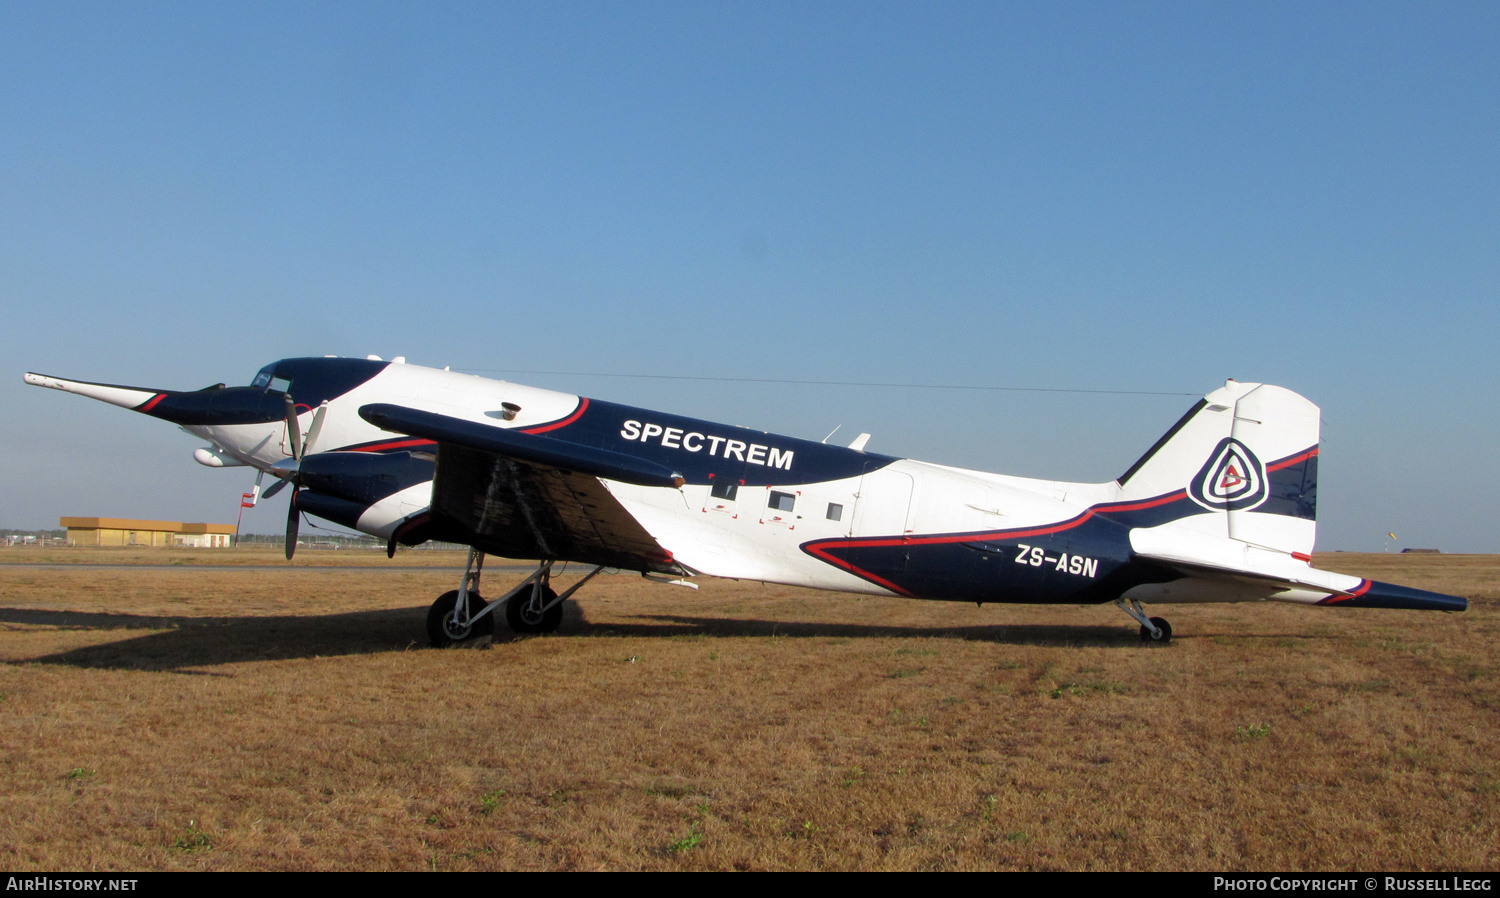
1247 456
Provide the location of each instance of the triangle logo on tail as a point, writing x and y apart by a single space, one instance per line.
1232 479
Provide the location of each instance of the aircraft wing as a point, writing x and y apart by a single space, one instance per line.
522 495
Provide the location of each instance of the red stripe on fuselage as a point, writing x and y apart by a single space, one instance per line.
1361 589
817 548
415 443
1009 534
394 444
583 403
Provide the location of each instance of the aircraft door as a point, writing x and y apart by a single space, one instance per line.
882 507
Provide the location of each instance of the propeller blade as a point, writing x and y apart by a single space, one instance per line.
293 520
293 429
314 430
276 487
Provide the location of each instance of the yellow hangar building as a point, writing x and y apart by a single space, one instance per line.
130 532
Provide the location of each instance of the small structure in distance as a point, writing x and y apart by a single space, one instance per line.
132 532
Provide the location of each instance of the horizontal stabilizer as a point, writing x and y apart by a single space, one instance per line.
527 447
1311 578
1374 594
1221 560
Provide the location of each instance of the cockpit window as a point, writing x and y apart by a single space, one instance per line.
267 379
315 380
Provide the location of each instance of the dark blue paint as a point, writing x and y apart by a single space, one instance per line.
535 448
363 477
1389 595
985 567
602 423
313 381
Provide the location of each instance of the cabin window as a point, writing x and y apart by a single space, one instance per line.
835 511
280 384
781 501
725 489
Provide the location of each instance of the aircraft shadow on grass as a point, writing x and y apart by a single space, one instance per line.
175 643
181 643
1010 634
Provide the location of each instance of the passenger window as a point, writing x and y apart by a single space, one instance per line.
835 511
781 501
725 489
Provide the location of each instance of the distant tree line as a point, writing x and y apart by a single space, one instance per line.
10 536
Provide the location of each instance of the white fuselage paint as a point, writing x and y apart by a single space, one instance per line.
747 540
741 538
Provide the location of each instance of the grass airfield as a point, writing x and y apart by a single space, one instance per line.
225 710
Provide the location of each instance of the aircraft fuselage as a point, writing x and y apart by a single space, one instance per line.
1222 509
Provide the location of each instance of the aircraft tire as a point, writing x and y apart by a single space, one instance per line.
441 635
523 620
1166 631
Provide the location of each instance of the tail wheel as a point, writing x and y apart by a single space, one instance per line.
523 615
1162 625
443 632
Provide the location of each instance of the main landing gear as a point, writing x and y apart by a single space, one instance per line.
533 606
1154 629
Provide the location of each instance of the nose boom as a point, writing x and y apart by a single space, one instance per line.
137 398
215 405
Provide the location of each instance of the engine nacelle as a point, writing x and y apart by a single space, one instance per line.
367 491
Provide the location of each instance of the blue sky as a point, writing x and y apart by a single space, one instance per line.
1144 197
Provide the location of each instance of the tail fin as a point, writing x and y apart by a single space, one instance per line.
1247 455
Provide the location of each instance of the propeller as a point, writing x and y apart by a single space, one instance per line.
293 521
300 449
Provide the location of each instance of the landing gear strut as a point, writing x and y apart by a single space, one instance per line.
1153 629
461 615
533 606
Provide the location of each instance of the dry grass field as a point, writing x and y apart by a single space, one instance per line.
220 717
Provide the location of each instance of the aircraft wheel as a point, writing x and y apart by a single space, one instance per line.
441 631
525 619
1166 631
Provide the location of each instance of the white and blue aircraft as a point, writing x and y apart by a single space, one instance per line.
1221 509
